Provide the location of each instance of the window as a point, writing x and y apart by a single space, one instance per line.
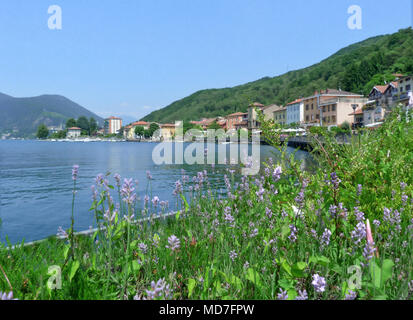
401 89
312 107
307 118
408 87
324 109
328 108
306 107
317 117
334 107
334 119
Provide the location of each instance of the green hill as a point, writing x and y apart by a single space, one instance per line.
351 69
22 116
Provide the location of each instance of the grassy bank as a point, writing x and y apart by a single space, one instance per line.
343 232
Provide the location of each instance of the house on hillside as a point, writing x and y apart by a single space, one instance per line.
129 130
167 131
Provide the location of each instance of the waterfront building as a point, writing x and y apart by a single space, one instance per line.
112 125
167 131
337 110
237 120
295 112
280 115
378 101
268 112
129 130
73 132
331 99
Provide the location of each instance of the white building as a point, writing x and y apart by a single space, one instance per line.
112 125
73 132
295 112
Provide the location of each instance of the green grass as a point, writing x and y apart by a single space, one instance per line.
256 256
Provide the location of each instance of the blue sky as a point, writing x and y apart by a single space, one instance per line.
130 57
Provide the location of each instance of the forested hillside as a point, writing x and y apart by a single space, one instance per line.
356 68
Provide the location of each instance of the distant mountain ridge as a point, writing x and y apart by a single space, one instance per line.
355 68
22 116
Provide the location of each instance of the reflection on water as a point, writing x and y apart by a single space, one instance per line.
36 183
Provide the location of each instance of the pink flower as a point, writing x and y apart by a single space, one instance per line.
369 237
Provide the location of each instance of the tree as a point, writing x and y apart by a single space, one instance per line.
93 126
83 123
139 131
214 125
42 132
71 123
152 128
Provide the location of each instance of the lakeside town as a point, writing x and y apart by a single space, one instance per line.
329 108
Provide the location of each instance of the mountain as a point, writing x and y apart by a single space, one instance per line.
22 116
356 68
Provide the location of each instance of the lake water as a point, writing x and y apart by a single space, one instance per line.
36 182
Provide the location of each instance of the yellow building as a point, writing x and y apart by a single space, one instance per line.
167 131
280 115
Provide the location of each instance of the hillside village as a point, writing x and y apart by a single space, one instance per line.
327 108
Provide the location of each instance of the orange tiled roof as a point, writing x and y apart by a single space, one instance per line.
74 128
295 101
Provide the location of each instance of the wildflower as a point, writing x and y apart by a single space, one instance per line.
325 238
246 265
359 189
148 175
376 223
283 295
62 233
277 174
233 255
335 181
319 283
155 201
6 296
254 233
173 243
403 185
358 233
94 193
99 179
268 213
302 295
178 188
117 179
333 210
159 290
143 248
127 192
293 236
351 295
75 171
359 214
227 215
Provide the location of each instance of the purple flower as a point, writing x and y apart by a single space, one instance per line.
302 295
233 255
178 188
376 223
403 185
359 233
283 295
351 295
335 181
148 175
127 192
325 238
62 233
268 213
276 175
117 179
319 283
158 290
293 235
359 215
173 243
75 171
6 296
143 247
359 189
99 179
155 201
